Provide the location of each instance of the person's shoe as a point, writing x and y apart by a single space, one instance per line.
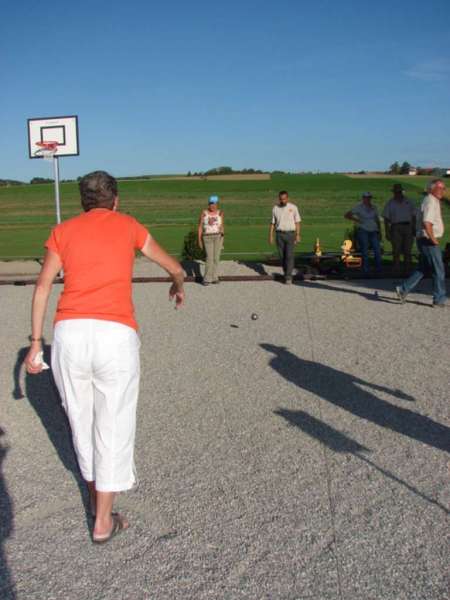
401 296
206 283
441 305
288 280
119 523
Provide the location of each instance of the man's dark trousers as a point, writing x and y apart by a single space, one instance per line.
402 239
286 244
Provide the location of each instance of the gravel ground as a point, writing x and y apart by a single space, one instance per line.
16 270
302 455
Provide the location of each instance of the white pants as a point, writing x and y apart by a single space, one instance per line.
96 369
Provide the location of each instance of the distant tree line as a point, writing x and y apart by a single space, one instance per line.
225 171
41 180
404 169
7 182
134 177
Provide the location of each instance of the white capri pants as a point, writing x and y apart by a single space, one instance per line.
95 365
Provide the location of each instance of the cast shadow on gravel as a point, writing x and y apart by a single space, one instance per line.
7 588
42 394
343 390
374 294
192 269
340 443
258 267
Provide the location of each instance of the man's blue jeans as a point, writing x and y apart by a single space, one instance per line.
366 239
430 258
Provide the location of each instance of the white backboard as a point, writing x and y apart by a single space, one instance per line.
63 130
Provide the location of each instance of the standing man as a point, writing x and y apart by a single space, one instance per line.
368 230
286 222
400 225
430 228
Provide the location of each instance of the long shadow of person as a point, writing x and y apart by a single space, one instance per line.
42 394
316 429
258 267
369 295
343 390
341 443
7 588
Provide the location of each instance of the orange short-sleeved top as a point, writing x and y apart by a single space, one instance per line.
97 251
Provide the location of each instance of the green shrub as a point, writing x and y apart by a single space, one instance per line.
191 249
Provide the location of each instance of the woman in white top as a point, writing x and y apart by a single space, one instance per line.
368 230
210 238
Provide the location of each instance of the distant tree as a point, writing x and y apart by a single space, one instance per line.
41 180
189 174
404 169
8 182
220 171
394 169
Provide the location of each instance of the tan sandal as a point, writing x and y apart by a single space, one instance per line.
118 525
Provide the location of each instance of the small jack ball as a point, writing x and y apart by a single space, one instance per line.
254 316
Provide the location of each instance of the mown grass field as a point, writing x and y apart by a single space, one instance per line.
170 208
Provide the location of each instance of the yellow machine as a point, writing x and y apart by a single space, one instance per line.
350 261
317 248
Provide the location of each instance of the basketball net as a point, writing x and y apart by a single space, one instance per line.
46 149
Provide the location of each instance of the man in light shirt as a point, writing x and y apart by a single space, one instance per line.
430 229
286 224
400 223
368 230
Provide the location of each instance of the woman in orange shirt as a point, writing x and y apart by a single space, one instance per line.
95 350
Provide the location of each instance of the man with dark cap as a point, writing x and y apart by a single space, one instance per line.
400 223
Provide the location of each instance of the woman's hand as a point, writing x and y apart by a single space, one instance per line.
52 265
29 363
177 293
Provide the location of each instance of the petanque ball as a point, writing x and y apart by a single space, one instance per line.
254 316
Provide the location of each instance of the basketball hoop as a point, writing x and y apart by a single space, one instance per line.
46 149
52 138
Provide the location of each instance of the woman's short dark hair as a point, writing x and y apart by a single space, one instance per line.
98 190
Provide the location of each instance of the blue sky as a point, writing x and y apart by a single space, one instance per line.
167 87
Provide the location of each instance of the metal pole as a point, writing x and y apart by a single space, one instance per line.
58 207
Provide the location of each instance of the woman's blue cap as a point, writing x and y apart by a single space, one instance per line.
213 199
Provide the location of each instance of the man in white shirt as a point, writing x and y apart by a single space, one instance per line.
286 223
430 228
400 222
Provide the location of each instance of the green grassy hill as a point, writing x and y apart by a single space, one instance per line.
170 208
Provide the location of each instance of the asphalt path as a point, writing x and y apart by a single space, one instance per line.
300 455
